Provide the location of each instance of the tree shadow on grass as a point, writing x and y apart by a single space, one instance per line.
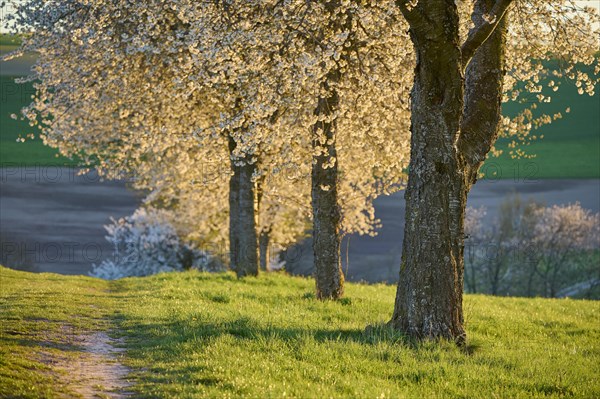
245 328
170 344
166 345
10 338
168 336
242 328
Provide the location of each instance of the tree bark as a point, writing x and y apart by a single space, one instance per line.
264 243
484 78
264 235
243 244
326 211
446 150
429 296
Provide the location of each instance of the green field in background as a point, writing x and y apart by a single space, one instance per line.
6 39
32 152
570 147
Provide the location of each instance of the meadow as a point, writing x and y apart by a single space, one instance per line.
32 152
570 147
13 97
196 335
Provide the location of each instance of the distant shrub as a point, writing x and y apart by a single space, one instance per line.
146 243
532 250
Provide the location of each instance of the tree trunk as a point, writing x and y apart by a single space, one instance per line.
530 277
471 279
326 211
471 271
243 244
263 240
452 132
484 78
264 235
497 264
429 296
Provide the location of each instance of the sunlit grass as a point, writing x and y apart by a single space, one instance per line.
201 335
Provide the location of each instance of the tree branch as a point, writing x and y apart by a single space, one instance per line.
482 111
411 13
479 34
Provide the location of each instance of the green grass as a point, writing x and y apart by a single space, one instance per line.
194 335
9 43
9 40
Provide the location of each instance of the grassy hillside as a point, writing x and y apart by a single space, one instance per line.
12 153
197 335
570 147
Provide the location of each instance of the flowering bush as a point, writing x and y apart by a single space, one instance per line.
533 250
146 243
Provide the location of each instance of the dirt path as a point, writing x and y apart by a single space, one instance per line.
91 368
98 373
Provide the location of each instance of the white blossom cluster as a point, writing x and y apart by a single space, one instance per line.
548 228
566 227
146 243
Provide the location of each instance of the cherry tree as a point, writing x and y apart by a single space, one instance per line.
561 233
532 250
350 60
469 55
189 83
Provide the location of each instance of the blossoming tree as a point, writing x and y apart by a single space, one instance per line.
190 83
463 70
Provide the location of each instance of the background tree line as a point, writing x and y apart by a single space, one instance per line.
529 249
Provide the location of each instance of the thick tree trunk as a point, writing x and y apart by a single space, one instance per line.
243 244
263 241
452 132
326 211
484 78
429 297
